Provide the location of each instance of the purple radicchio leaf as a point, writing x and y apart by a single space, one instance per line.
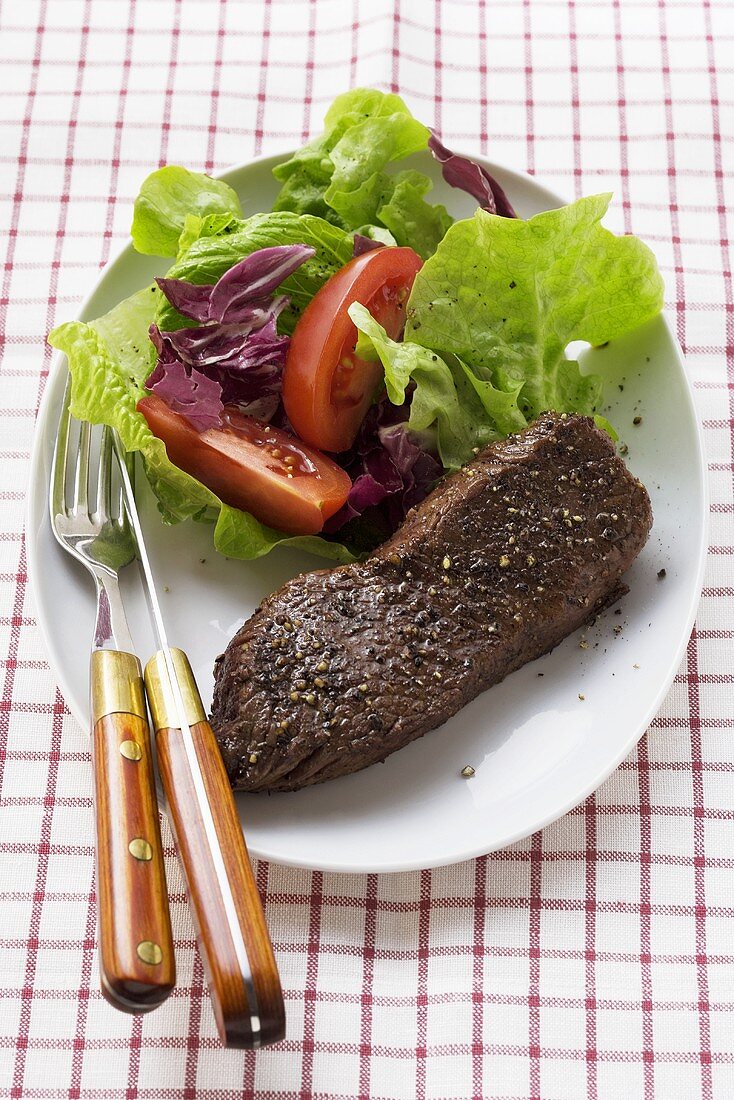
246 366
226 347
165 352
193 301
236 348
364 244
258 312
190 300
419 469
469 176
261 347
242 294
254 278
205 346
190 393
390 467
257 370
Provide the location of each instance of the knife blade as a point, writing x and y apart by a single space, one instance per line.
238 957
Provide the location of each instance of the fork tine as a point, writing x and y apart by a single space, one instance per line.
123 521
61 450
126 457
83 523
104 477
81 470
121 509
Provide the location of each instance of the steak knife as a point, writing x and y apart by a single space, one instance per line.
233 938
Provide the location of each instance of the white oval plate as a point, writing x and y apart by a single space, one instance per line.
537 747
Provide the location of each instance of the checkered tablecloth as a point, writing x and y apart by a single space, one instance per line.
595 958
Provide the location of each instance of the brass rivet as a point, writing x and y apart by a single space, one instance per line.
140 848
150 952
131 750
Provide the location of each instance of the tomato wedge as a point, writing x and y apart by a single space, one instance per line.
252 466
327 389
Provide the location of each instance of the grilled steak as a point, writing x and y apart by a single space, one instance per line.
341 667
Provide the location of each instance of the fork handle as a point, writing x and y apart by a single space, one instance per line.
137 968
233 938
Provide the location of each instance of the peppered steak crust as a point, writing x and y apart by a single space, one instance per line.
341 667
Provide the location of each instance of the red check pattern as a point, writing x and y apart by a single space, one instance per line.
594 959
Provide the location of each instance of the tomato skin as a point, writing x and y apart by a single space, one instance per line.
326 401
238 463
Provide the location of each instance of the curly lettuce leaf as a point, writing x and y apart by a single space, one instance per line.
110 359
210 255
500 405
210 225
442 397
170 195
508 296
358 184
376 233
341 176
411 219
363 131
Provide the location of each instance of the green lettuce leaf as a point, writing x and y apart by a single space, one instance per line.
508 296
500 405
167 197
358 183
443 397
376 233
211 225
110 359
208 257
492 312
604 426
363 131
340 176
411 220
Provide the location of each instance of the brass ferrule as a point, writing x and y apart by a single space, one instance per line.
116 684
163 706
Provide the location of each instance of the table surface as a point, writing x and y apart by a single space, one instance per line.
594 958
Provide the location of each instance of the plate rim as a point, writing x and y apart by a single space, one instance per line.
36 505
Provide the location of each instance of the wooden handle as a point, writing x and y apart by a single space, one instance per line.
135 944
233 937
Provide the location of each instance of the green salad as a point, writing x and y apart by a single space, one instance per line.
307 374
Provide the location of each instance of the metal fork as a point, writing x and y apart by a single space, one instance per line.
90 522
